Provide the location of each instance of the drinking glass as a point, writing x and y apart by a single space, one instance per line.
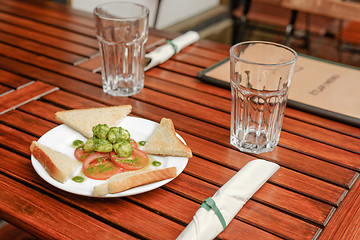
122 31
261 74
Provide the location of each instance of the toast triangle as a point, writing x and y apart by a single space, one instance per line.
82 120
163 141
59 166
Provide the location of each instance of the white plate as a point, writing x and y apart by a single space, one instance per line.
61 137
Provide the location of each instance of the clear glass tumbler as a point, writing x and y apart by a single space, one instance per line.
122 31
261 74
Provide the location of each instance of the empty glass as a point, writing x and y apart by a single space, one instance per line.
261 74
122 31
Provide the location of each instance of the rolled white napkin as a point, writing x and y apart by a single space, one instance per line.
229 200
163 53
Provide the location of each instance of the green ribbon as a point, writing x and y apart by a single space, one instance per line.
209 204
173 46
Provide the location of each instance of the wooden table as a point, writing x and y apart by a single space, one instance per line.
49 62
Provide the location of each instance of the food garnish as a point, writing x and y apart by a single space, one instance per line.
78 179
156 163
110 151
77 143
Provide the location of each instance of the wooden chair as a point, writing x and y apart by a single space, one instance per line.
331 8
348 13
273 13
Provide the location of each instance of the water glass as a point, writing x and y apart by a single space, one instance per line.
261 74
122 31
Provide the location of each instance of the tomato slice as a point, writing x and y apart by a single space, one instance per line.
80 154
133 143
136 161
100 167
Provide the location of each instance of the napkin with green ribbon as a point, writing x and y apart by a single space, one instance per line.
217 211
163 53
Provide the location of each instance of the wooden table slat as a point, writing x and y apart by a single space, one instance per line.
179 91
22 121
39 12
194 60
47 29
48 76
31 205
50 64
41 15
25 94
40 49
47 110
323 122
12 80
187 81
206 53
322 135
184 68
4 90
92 64
321 150
344 224
53 41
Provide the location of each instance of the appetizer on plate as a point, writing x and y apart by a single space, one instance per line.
109 153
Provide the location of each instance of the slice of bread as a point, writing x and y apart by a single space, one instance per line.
127 180
59 166
82 120
163 141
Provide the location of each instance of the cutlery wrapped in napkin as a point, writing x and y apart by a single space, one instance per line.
217 212
163 53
